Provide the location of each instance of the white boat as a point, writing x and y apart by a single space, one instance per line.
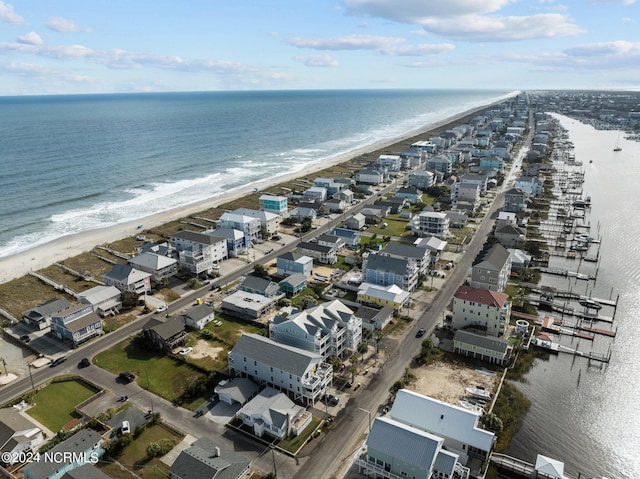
471 407
478 392
590 303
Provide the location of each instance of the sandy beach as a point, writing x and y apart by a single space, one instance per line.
64 247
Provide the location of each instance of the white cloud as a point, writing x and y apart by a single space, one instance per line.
624 2
380 44
317 61
413 11
8 15
31 38
59 24
621 49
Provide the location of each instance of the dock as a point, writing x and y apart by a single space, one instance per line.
544 468
556 348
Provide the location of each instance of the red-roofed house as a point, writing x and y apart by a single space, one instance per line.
481 309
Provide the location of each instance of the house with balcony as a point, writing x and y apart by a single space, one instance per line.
106 300
481 310
17 434
421 256
331 186
301 374
491 268
457 218
165 334
319 253
301 213
331 240
430 223
394 203
272 412
421 179
435 245
329 329
197 317
336 205
199 252
355 222
385 271
75 452
510 236
126 278
531 185
515 200
206 459
479 180
392 296
374 319
369 176
250 226
293 284
465 195
315 193
238 243
345 195
269 222
76 324
440 163
486 348
389 162
158 266
410 193
275 204
40 316
292 262
349 237
492 163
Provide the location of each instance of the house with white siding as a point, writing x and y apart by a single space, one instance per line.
269 222
430 223
160 267
199 252
104 299
126 278
249 225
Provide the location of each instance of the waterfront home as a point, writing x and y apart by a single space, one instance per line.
515 200
199 252
375 319
491 268
74 452
331 186
329 329
486 348
385 271
321 254
274 204
421 256
481 309
392 296
245 305
315 193
272 412
532 185
510 236
269 222
206 459
424 145
126 278
105 300
17 435
421 179
236 390
395 450
389 162
369 176
355 222
519 259
290 263
158 266
40 316
435 245
76 324
197 317
293 284
458 427
430 223
303 375
262 286
165 334
238 242
250 226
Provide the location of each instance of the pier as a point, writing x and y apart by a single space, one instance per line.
557 348
545 467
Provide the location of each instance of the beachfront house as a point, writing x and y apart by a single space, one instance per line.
76 324
303 375
292 262
206 459
486 348
106 300
250 226
275 204
126 278
17 435
197 317
389 162
158 266
385 271
329 329
481 310
269 222
369 176
40 316
491 268
199 252
82 447
315 193
430 223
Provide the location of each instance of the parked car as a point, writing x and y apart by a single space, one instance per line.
84 362
57 361
184 351
25 338
161 308
126 376
420 333
126 428
331 400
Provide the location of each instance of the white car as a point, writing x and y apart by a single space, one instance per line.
126 429
161 308
184 351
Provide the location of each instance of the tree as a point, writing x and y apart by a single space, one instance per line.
160 448
353 370
129 299
336 362
259 270
492 422
363 348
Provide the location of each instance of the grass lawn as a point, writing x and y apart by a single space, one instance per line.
155 371
135 459
231 328
292 444
395 227
55 403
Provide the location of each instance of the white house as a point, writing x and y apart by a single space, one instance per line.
104 299
428 223
127 278
199 252
249 225
17 434
158 266
480 309
198 316
270 222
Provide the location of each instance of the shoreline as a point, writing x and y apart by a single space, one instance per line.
42 256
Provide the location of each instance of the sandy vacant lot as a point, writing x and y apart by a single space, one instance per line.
202 349
447 382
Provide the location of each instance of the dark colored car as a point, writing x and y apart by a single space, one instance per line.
331 400
126 376
55 362
420 333
25 338
84 362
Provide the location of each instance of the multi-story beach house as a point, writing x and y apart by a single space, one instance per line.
430 223
480 180
491 268
321 254
249 225
126 278
199 252
392 296
441 163
421 256
385 271
315 193
369 176
481 310
462 193
158 266
355 222
292 262
389 162
330 185
492 163
246 305
105 300
515 200
302 374
421 179
274 204
237 241
531 185
269 222
329 329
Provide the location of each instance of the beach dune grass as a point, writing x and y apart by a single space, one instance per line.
26 292
154 370
55 403
71 281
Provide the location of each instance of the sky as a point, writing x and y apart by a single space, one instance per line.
80 46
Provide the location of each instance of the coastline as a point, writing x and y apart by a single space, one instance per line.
42 256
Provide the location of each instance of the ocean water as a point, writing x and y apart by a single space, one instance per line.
581 414
76 163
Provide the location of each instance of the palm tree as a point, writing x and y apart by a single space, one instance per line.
353 370
363 348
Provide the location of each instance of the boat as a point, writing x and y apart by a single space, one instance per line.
478 392
471 407
617 147
590 303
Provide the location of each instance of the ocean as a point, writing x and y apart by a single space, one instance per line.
80 162
581 414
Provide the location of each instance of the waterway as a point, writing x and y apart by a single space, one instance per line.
588 416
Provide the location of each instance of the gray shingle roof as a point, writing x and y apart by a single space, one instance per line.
387 264
406 250
48 308
496 256
201 461
486 342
